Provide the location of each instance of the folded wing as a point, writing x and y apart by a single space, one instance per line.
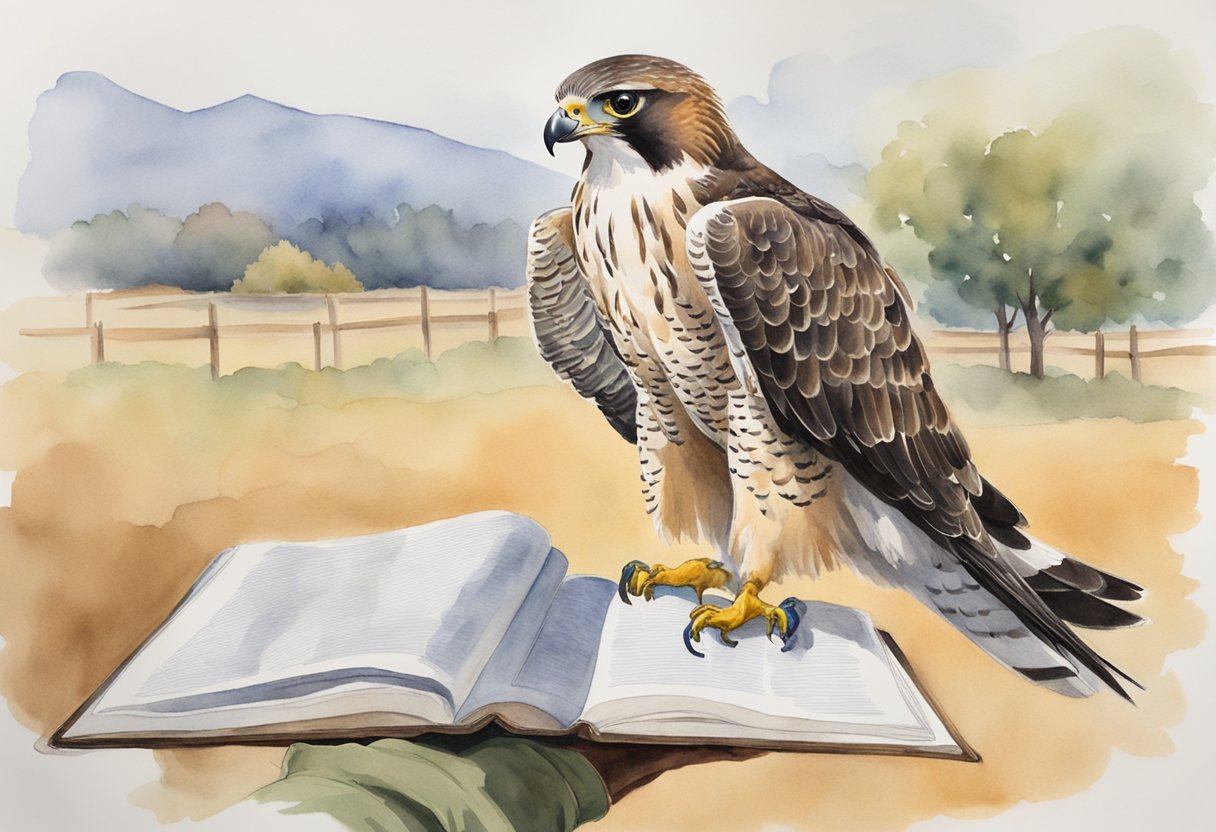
825 336
568 327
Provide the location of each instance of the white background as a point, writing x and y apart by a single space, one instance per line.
484 73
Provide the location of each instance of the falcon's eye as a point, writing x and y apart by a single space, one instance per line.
622 104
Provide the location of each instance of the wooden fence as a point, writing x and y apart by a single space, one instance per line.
501 305
331 319
1122 345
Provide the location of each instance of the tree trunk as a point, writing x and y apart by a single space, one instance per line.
1004 325
1038 331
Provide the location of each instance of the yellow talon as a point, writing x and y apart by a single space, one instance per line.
747 605
700 574
776 618
638 580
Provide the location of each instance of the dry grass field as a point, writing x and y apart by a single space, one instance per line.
130 478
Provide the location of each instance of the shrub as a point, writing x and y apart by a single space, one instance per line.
994 396
285 268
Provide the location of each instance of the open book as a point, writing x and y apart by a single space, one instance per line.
447 626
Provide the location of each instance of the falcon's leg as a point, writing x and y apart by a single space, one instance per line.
775 529
688 493
782 619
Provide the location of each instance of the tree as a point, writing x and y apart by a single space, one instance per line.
934 178
285 268
215 245
420 247
113 251
119 250
1087 220
212 247
1016 194
1139 247
970 261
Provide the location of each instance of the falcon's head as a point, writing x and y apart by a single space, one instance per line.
659 109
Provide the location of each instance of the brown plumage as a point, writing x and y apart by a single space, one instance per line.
776 370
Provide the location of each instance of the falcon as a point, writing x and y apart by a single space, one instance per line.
749 339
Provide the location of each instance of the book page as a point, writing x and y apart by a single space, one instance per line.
344 705
836 680
547 658
421 608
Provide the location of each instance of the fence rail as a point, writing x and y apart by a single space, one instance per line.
1105 345
502 305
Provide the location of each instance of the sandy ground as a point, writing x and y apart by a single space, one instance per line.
123 493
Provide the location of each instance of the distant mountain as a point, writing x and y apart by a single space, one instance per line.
96 146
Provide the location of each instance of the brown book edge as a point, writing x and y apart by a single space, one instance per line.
258 736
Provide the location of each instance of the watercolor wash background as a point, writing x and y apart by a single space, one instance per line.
485 77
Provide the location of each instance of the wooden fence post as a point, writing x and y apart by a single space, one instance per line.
331 303
99 343
213 336
1099 355
492 317
316 345
1133 352
88 308
426 324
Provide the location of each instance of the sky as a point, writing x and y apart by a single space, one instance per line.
484 73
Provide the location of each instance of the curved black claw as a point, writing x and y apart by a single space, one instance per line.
622 586
688 642
793 618
727 640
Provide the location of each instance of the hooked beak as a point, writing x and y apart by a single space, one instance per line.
560 128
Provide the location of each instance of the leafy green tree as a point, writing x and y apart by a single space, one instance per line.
212 247
113 251
420 247
935 179
970 261
1139 246
141 246
1089 220
215 245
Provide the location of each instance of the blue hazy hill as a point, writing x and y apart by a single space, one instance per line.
96 147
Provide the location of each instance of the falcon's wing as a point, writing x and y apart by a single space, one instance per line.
568 327
828 339
823 333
